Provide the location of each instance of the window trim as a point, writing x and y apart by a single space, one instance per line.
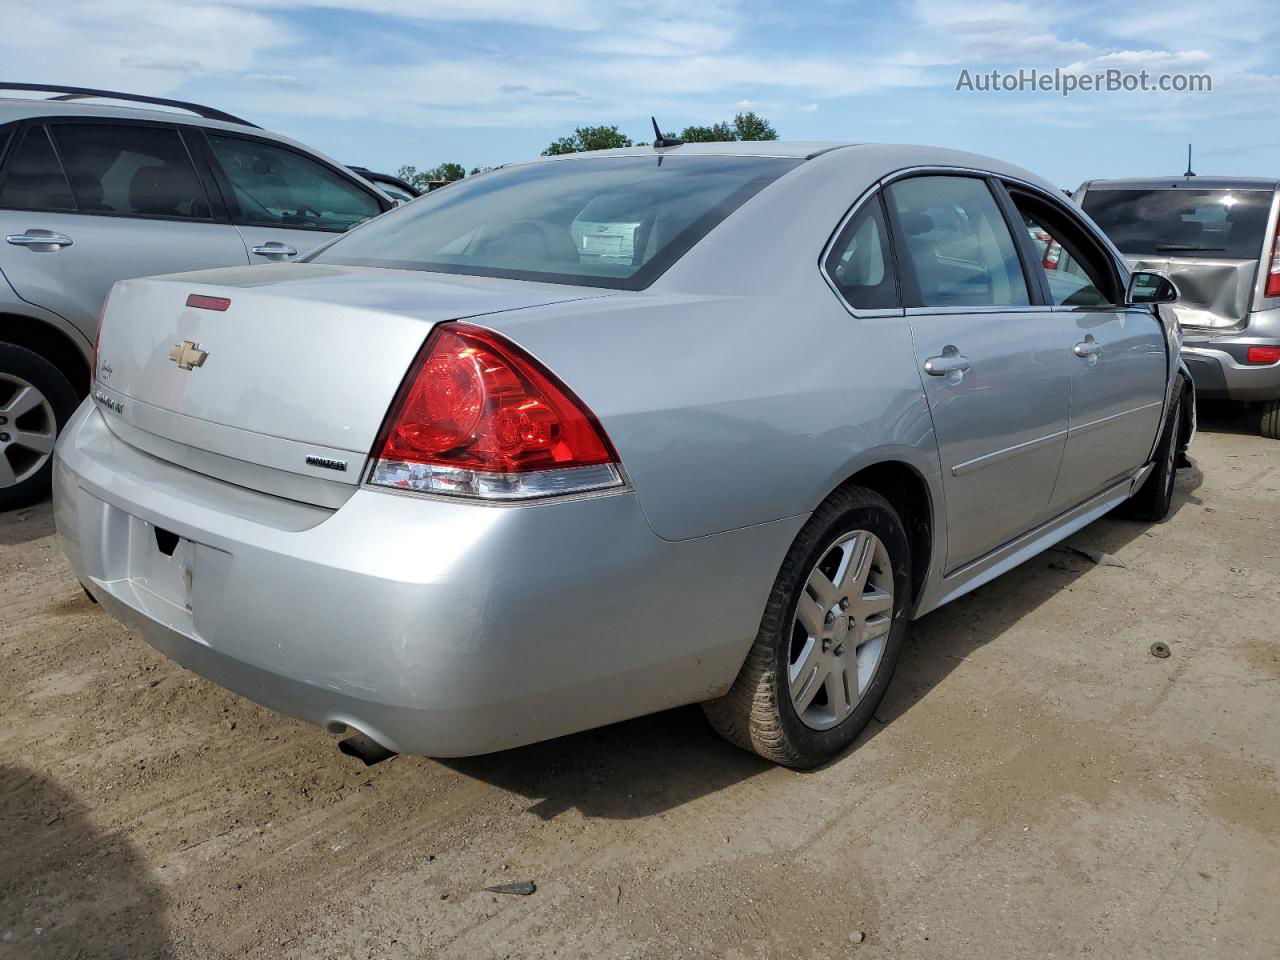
872 195
1074 224
907 270
227 190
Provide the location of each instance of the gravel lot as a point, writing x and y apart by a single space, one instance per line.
1038 785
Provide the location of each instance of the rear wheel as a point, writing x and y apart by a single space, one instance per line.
1155 496
1271 419
36 400
830 638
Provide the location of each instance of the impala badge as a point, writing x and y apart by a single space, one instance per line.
188 355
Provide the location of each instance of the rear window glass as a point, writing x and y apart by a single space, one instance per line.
615 222
32 178
1216 223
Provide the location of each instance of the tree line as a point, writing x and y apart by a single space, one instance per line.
744 126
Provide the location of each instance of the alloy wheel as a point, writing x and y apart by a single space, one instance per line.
28 429
841 628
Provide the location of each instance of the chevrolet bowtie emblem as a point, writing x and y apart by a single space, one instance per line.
188 355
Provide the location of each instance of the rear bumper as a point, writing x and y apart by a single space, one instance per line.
1219 375
435 627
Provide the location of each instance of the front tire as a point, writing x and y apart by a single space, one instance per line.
830 638
1155 497
36 401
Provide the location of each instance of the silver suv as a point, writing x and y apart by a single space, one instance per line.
91 194
1215 238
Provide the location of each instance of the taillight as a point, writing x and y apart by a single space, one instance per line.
479 417
1273 274
1262 355
1052 255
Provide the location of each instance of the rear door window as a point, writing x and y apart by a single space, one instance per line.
134 170
32 178
1230 224
955 242
274 186
861 264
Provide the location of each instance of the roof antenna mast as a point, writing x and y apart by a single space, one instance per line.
1189 172
659 140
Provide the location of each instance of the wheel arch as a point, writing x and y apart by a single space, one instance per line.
55 345
906 488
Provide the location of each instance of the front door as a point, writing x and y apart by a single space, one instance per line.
1118 355
991 360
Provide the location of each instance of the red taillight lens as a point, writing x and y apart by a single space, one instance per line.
1262 355
479 417
1273 274
1052 255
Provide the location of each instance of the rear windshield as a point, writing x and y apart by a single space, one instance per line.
1216 223
615 222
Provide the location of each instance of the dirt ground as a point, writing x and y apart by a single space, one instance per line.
1038 785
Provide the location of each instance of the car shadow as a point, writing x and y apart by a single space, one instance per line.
646 766
24 524
1224 416
66 888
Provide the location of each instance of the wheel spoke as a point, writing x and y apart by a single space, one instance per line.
873 602
7 477
806 675
24 401
36 442
811 615
823 590
861 551
837 692
875 628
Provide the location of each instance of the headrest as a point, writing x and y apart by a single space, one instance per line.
915 223
157 189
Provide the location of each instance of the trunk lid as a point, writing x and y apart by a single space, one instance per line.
286 388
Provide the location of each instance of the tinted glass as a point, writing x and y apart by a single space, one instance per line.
1218 223
607 222
1071 282
139 171
860 264
32 178
278 187
957 243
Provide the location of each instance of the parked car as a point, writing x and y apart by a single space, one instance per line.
399 190
460 481
1216 238
92 193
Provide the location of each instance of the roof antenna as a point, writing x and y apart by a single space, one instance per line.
659 140
1190 172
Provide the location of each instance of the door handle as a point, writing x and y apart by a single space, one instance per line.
1088 349
40 238
952 364
275 250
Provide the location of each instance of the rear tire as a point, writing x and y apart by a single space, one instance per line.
1271 420
36 401
1154 498
815 676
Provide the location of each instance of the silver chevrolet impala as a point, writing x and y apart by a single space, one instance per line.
589 437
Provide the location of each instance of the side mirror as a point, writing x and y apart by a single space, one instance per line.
1148 287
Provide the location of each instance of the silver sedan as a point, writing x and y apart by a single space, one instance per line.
593 436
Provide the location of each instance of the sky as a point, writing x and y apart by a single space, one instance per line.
381 83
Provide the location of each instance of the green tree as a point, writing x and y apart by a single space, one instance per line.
752 126
588 138
716 133
422 179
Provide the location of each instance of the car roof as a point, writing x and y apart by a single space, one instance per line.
1181 182
797 149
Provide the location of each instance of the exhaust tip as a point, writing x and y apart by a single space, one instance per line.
365 749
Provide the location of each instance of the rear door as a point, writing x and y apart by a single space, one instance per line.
284 202
84 204
991 358
1118 355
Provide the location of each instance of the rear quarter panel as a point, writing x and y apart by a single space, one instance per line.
738 389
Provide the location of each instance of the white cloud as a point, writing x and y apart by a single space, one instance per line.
745 105
808 108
